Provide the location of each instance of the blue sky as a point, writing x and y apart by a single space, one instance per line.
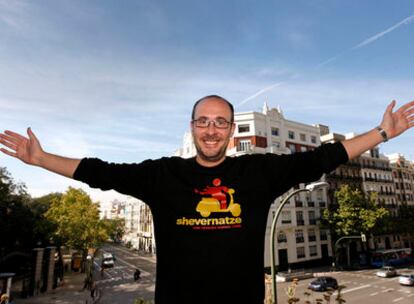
117 79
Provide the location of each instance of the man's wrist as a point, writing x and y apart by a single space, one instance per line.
383 134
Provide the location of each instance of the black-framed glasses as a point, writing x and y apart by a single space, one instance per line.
219 123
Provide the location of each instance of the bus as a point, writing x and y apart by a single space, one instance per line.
391 257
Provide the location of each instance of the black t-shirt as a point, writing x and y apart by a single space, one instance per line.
210 223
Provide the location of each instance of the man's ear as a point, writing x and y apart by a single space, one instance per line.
233 127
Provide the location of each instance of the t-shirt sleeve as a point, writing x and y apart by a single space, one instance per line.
286 171
132 179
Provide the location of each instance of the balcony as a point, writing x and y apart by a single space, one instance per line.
300 222
311 204
322 205
282 240
312 238
323 237
312 222
298 204
300 239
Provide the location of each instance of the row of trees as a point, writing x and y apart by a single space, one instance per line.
68 219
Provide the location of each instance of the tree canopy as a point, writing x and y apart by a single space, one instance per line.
355 213
76 219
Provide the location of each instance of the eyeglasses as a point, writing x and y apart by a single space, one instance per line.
219 123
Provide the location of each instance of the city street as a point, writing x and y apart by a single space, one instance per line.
361 287
117 284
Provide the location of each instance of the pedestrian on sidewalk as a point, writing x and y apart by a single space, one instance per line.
199 245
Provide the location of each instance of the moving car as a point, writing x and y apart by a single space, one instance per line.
107 260
406 279
323 283
386 272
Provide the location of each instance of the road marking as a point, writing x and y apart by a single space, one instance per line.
143 272
149 259
356 288
387 290
374 294
398 299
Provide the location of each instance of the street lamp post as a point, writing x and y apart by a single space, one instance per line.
308 188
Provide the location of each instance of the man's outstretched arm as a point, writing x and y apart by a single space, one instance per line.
393 123
29 150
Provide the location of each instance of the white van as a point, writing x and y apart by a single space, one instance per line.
107 260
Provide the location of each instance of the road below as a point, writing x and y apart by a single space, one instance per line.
362 286
117 284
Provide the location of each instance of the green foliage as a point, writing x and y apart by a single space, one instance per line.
16 218
76 219
115 228
355 213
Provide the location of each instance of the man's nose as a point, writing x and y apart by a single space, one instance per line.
211 128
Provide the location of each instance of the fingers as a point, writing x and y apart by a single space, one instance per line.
391 106
8 144
8 152
8 138
15 135
407 106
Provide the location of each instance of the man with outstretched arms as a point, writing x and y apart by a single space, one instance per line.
210 249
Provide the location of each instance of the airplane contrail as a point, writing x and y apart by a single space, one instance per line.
260 92
364 43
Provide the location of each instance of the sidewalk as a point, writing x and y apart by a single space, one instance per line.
70 293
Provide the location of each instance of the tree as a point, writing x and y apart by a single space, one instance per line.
115 228
16 219
76 219
354 213
44 229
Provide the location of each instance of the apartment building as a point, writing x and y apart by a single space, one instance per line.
375 172
139 230
403 175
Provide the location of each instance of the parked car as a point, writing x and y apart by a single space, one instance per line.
107 260
323 283
406 279
386 272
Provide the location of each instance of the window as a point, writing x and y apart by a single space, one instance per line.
313 139
323 235
291 135
302 137
313 251
286 217
299 218
244 128
244 145
311 235
300 252
303 149
276 144
292 148
299 236
312 220
281 237
275 131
